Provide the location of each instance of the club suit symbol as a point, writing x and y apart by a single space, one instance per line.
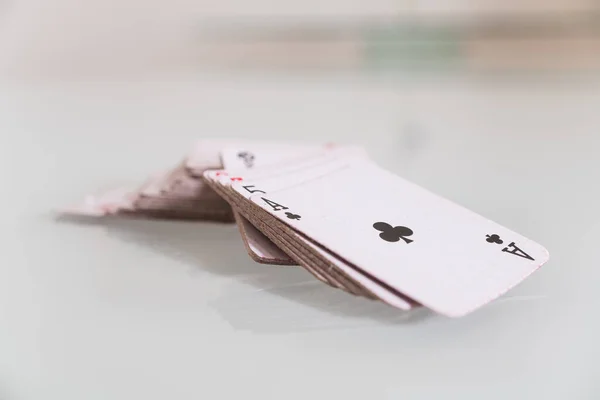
512 248
293 216
247 158
393 234
494 239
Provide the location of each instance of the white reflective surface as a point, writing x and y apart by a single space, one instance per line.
154 310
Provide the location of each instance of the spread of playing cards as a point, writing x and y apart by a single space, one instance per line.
334 212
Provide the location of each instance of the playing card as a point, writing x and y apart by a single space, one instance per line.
246 189
419 244
186 186
349 278
325 271
344 275
347 221
206 154
156 184
285 246
221 182
172 194
252 156
259 247
264 159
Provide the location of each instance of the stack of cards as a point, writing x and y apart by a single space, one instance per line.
179 193
354 225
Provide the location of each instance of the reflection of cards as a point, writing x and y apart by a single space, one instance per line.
350 223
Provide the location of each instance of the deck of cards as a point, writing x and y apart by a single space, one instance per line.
334 212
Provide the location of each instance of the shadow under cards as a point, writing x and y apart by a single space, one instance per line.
308 304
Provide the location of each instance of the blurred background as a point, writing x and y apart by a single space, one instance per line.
64 39
491 103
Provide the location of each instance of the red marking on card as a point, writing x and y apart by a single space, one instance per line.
237 179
